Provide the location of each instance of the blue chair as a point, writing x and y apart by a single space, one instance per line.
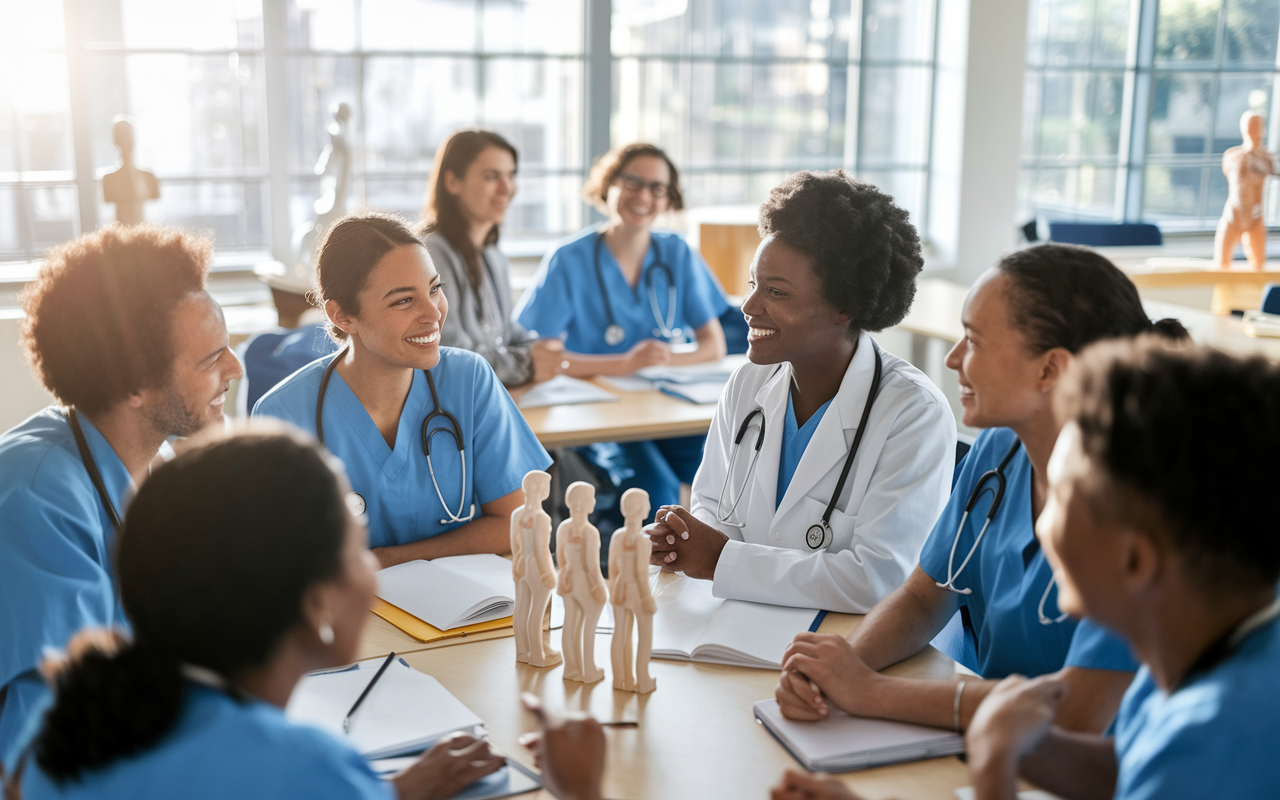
272 356
1105 234
735 330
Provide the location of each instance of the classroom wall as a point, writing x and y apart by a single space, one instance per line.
21 396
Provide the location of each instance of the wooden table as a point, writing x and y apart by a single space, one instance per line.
697 737
637 416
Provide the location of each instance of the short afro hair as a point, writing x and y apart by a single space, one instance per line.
1184 441
99 315
865 250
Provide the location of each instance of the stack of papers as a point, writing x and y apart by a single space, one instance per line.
693 625
563 391
404 712
842 743
713 371
451 592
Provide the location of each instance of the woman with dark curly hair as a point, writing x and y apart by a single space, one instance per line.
1024 321
828 459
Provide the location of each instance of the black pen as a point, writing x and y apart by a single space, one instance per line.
346 722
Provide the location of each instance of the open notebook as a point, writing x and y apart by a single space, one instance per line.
404 713
842 743
451 592
693 625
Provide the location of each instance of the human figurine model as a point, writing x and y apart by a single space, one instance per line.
334 170
1247 168
128 187
533 571
581 584
631 596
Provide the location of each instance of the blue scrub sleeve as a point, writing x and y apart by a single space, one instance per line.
334 771
703 300
547 306
506 448
1095 647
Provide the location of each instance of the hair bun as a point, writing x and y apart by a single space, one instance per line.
1170 329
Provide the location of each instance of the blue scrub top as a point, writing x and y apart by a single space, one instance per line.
1215 736
1008 576
565 299
55 553
795 439
401 503
223 748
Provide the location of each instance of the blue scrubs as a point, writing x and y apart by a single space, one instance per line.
1214 736
401 503
1008 576
223 748
795 439
55 553
565 301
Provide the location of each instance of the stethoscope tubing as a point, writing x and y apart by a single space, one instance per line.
666 326
454 430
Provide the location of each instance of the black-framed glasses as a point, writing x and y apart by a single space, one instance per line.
634 183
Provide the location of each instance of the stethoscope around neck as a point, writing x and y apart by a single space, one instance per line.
819 535
997 499
355 502
614 334
91 467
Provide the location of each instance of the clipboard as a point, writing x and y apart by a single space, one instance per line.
428 634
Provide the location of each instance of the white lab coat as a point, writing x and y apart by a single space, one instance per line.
899 484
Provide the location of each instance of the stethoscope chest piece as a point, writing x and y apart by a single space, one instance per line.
356 504
613 335
819 536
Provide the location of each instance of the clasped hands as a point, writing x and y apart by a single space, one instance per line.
683 542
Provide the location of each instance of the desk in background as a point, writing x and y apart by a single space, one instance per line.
637 416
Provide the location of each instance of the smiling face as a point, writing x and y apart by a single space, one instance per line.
202 370
788 317
402 308
484 192
1001 383
632 198
1087 552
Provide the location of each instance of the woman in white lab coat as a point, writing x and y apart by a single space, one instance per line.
775 518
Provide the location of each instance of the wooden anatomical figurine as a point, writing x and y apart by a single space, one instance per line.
631 596
581 584
533 571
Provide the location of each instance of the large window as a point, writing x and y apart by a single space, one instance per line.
743 92
1130 105
231 101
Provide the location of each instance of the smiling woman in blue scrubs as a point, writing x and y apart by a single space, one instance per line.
433 444
242 570
1023 322
1157 526
621 296
119 328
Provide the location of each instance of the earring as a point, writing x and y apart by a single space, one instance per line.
325 632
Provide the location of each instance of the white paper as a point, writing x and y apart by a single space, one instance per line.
693 624
966 793
451 592
841 742
715 371
404 712
703 393
628 383
563 391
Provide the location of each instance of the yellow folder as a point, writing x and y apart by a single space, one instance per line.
424 632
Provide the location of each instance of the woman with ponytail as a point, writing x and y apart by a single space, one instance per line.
242 570
1024 320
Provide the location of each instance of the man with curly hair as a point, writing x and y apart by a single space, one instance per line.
828 459
120 329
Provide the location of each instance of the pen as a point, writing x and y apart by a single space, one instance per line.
622 723
346 722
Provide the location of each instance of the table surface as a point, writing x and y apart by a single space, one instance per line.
697 737
636 416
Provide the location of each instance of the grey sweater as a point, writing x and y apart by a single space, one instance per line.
480 320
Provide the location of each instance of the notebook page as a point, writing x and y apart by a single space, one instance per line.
752 634
441 596
685 608
842 742
404 711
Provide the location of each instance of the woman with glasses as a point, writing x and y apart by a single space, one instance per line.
623 297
